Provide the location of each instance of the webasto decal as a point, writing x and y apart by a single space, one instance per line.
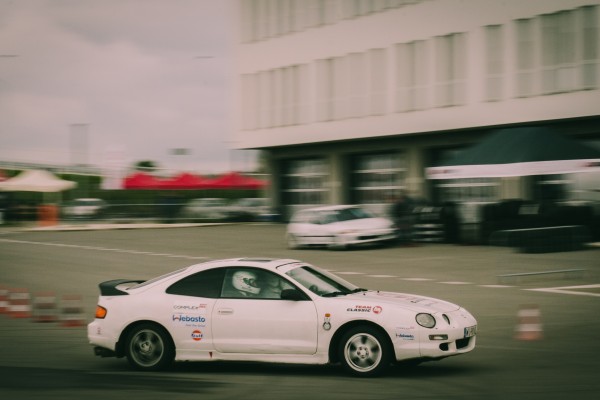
189 320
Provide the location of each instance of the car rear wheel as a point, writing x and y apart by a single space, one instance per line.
149 348
365 351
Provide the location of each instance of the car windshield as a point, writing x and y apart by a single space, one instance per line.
321 282
346 214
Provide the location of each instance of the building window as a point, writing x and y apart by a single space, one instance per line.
589 59
264 102
450 61
412 77
357 85
345 85
263 19
305 182
324 89
494 68
275 98
559 70
377 178
565 53
525 82
378 80
476 190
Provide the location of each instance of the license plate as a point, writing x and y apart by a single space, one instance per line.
470 331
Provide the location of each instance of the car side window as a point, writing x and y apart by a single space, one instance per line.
202 284
242 283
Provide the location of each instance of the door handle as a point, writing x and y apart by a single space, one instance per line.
225 311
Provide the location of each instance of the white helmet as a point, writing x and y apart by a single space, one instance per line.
245 281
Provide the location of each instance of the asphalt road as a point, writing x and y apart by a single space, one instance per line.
49 361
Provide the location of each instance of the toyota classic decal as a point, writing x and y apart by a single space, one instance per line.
365 309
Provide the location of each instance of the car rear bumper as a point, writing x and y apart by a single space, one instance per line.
98 339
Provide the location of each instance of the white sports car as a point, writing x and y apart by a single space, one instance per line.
283 311
338 227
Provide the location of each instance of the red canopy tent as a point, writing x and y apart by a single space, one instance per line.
185 180
234 180
141 180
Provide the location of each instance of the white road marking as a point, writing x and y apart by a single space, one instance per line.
567 290
571 290
496 286
76 246
416 279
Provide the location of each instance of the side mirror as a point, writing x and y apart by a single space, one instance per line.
292 294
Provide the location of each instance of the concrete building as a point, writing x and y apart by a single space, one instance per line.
352 99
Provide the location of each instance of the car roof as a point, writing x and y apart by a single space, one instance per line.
265 263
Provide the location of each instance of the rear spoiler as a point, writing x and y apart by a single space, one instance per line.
109 288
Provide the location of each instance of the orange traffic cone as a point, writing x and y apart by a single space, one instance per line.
529 326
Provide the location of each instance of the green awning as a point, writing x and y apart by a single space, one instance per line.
519 152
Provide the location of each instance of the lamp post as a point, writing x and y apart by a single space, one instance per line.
181 151
79 152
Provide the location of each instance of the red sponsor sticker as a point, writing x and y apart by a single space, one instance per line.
197 335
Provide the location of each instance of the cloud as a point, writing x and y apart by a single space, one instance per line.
145 76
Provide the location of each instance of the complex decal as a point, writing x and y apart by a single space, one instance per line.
189 307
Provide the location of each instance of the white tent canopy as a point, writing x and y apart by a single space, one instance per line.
36 181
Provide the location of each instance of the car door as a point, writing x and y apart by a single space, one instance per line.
188 306
258 323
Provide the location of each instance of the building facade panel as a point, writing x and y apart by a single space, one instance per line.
343 86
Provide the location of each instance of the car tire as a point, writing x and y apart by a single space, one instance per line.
149 348
365 351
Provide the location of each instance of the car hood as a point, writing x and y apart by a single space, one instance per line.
412 302
363 223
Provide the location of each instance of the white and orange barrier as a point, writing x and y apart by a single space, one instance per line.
529 325
44 307
3 300
72 311
19 303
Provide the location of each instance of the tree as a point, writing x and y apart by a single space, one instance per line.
146 166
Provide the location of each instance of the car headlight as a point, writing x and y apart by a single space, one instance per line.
425 320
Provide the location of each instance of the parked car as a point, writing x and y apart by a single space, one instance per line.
85 208
338 227
211 208
249 209
266 310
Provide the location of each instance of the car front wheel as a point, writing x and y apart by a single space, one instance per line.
149 348
365 351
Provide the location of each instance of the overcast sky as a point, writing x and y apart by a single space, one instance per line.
143 77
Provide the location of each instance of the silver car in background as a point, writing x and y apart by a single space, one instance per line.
338 227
